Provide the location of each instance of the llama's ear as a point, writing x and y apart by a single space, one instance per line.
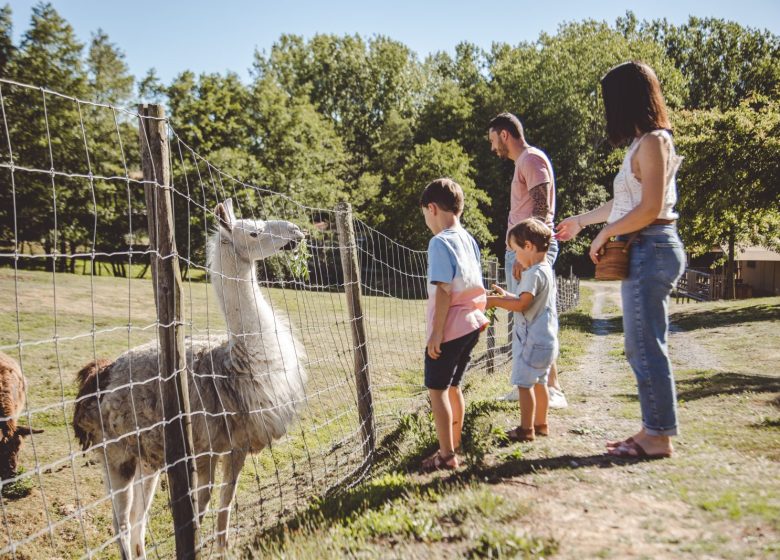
26 431
229 207
224 215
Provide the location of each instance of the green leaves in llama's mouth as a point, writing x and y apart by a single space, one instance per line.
299 261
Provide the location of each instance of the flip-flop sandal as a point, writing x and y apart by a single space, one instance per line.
520 434
438 463
541 430
615 444
635 451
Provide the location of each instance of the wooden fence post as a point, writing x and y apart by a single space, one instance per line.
351 268
491 330
168 295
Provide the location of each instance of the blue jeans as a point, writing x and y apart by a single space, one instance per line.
657 260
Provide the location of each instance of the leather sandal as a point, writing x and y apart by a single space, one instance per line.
618 443
438 462
521 434
541 430
633 450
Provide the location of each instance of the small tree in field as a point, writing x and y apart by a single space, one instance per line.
729 184
401 205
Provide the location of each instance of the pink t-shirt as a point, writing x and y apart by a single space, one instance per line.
532 167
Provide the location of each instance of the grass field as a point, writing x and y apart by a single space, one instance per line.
54 324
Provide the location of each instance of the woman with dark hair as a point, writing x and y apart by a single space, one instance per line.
644 196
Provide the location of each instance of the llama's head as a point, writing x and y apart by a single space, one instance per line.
253 240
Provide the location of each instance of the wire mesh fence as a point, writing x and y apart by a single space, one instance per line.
268 338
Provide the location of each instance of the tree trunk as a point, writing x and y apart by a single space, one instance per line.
730 279
72 267
62 262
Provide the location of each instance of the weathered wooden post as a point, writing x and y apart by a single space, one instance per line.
491 330
351 268
168 295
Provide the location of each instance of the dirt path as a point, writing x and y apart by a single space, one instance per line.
601 508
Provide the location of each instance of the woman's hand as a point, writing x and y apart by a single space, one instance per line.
600 240
568 228
517 271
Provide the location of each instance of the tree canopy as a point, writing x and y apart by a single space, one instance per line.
345 117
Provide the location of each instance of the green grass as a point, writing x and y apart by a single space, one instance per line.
65 320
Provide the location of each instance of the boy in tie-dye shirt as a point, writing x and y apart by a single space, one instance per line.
456 304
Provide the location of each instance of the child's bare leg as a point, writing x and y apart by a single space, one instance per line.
542 397
458 407
527 408
552 377
442 418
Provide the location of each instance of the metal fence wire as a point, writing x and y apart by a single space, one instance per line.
268 338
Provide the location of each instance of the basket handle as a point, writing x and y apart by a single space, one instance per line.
631 239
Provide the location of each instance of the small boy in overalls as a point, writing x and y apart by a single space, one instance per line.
535 340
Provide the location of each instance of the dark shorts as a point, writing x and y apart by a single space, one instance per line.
448 369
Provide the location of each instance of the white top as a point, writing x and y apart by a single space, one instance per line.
628 189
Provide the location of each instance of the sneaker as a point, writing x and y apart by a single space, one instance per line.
557 398
512 396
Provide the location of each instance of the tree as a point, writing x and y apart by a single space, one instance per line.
299 149
113 152
210 113
150 88
401 218
356 84
553 86
7 47
46 130
729 183
109 78
724 62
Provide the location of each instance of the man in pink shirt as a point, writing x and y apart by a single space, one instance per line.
532 195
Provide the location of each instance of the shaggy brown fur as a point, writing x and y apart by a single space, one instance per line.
13 387
91 379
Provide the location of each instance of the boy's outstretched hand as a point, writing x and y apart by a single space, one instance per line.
498 290
434 346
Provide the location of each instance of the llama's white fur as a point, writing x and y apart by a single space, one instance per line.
244 388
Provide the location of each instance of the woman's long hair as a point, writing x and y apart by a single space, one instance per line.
632 102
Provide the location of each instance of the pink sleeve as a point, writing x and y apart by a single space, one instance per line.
535 171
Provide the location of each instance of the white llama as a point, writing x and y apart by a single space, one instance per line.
244 389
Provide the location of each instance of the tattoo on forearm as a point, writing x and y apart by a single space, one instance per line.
539 197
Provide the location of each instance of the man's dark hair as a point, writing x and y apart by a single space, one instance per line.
445 193
632 101
533 230
508 122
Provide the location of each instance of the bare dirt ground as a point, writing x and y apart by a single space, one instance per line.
653 509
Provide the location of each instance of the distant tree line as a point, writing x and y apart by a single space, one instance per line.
366 120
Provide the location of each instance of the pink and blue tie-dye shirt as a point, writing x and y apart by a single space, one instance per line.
453 258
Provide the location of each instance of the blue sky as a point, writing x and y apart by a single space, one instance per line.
176 35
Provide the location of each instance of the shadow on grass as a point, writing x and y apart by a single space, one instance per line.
767 424
726 383
518 467
576 320
391 483
713 318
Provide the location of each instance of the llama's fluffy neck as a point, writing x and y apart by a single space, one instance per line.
252 326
